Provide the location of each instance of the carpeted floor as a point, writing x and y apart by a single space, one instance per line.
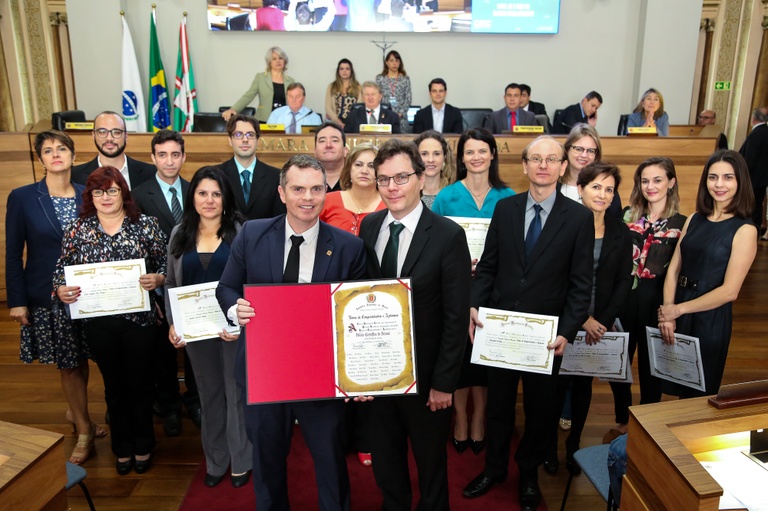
365 495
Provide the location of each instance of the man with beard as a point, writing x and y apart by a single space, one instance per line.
331 150
110 136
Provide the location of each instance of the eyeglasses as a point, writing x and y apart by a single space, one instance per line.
536 160
399 179
706 117
249 135
115 132
100 193
578 149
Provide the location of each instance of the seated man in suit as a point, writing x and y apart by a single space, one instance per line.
439 116
373 113
294 115
433 253
253 182
528 105
110 137
316 252
163 198
583 112
511 115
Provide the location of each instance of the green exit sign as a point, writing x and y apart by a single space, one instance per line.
722 85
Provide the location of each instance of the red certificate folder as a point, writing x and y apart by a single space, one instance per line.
290 343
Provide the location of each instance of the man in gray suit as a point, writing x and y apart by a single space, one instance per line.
511 115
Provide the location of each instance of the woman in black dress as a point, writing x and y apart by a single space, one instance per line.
716 250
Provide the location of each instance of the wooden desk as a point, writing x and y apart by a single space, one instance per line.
33 472
662 472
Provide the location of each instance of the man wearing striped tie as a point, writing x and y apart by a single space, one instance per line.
163 197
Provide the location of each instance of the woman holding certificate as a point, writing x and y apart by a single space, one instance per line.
438 163
477 189
197 253
37 216
654 224
612 278
111 229
716 250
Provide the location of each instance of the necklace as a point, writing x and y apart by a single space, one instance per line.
479 197
359 209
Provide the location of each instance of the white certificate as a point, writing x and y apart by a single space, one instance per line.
679 362
476 230
607 358
515 340
107 289
196 312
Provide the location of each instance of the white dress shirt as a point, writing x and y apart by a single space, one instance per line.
410 221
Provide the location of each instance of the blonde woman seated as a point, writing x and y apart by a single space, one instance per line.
649 113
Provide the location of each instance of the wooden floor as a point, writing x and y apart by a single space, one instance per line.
31 395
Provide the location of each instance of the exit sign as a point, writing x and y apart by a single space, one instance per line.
722 85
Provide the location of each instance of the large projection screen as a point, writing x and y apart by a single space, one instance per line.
475 16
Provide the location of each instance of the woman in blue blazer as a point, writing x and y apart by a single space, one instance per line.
649 113
36 217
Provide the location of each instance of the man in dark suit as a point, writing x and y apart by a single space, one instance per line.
110 137
433 252
439 116
528 105
511 115
253 182
537 259
755 152
316 252
583 112
163 198
372 112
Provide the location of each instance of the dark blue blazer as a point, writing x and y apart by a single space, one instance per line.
30 219
257 257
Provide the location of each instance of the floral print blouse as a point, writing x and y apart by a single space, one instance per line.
397 94
86 242
653 245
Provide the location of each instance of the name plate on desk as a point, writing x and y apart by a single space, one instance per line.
527 129
376 128
275 128
79 126
644 130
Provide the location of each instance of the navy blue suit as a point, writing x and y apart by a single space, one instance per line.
257 257
31 220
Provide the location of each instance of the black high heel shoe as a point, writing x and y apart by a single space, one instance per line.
141 466
124 467
477 446
460 445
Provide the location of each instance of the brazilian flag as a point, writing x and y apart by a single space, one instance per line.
159 112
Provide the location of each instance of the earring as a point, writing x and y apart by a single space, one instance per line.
669 191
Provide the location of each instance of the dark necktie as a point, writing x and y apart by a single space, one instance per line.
246 184
389 259
292 126
533 231
371 118
291 273
175 206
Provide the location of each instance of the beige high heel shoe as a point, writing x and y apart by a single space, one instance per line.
85 446
100 432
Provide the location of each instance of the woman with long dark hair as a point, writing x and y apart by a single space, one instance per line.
197 253
342 93
396 87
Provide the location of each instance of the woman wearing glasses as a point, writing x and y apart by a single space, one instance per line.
111 228
475 193
270 86
582 148
36 219
358 196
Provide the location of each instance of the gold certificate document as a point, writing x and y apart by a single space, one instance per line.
373 338
679 362
606 359
107 288
476 230
515 340
196 312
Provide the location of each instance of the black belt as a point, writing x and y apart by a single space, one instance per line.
687 283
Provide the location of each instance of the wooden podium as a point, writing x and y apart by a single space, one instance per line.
33 472
664 439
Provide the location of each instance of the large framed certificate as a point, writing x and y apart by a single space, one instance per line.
476 230
196 312
679 362
605 359
108 288
515 340
323 341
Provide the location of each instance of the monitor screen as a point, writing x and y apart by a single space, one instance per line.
412 113
475 16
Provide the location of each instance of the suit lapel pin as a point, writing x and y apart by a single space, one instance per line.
328 253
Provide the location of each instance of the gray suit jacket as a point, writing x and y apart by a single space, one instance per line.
497 121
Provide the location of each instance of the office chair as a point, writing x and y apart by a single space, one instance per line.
594 463
75 475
